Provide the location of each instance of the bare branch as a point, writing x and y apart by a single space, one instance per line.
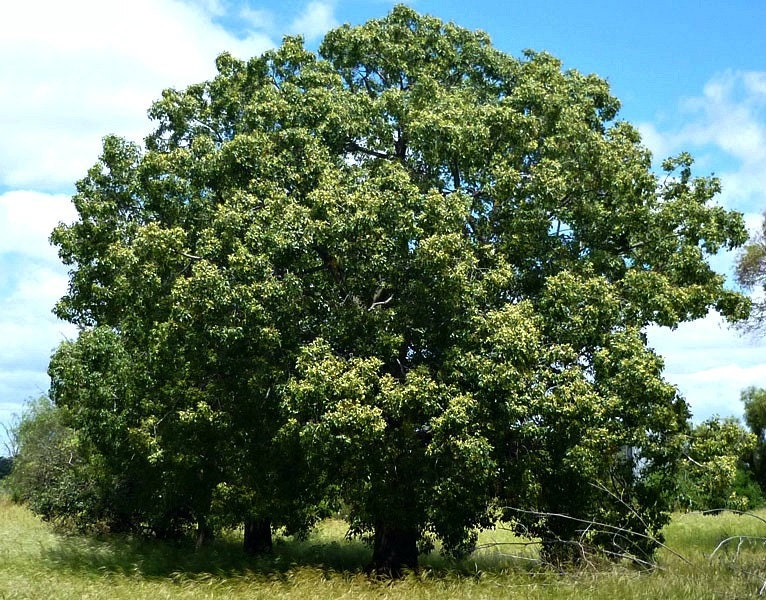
694 462
215 132
375 305
603 488
740 539
11 438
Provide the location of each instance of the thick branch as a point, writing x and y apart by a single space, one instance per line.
455 176
376 304
354 147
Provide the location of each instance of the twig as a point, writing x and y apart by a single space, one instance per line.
375 305
741 539
493 544
603 488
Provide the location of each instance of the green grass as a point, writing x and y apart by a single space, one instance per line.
38 562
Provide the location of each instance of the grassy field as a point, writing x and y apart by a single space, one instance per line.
37 562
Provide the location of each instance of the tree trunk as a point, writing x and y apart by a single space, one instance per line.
257 536
395 549
204 533
561 547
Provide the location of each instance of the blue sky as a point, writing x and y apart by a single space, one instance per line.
690 75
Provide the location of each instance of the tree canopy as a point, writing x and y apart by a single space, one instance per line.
751 274
407 275
718 468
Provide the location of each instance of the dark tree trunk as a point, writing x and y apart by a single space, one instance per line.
204 533
560 553
257 536
395 549
561 546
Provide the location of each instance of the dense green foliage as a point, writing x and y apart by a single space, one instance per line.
59 474
751 274
6 464
47 472
717 471
754 400
408 275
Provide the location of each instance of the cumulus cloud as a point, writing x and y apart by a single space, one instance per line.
70 73
724 125
31 281
704 344
316 19
729 114
710 363
28 323
33 383
258 18
74 71
27 219
716 391
29 330
660 144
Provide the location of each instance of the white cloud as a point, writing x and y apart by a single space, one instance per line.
27 219
30 383
214 8
28 329
31 278
710 363
657 142
31 338
31 281
316 19
716 391
705 344
258 18
71 72
724 127
729 114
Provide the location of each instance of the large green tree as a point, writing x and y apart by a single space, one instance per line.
409 273
717 467
754 400
53 472
751 274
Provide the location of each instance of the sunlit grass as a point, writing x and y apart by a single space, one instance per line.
38 562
